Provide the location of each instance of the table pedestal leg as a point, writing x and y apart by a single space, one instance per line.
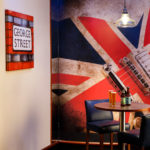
122 121
122 125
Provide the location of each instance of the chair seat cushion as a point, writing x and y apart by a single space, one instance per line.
105 126
130 137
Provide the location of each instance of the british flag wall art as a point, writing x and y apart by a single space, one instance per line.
87 41
19 41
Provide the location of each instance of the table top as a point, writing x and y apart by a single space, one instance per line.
117 107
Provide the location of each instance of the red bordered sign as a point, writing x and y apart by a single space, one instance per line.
19 41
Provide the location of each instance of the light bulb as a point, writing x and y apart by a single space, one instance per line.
125 20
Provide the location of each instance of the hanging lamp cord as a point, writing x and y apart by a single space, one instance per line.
124 3
125 9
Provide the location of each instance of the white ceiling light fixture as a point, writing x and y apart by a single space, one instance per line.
125 20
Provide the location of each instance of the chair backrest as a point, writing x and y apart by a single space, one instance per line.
93 114
145 131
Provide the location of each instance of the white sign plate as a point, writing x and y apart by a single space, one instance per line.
22 38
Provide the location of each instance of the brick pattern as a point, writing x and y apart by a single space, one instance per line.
21 59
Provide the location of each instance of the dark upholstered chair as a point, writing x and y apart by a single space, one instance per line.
100 121
139 137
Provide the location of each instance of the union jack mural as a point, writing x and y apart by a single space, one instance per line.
86 44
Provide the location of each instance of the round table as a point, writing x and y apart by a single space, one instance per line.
122 109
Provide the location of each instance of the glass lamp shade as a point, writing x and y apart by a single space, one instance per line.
125 21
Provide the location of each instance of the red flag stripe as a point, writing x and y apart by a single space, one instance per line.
106 37
68 79
147 32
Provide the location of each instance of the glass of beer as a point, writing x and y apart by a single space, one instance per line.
113 97
110 98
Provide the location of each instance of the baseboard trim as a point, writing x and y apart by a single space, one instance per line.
54 143
83 143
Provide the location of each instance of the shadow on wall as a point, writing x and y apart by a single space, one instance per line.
27 137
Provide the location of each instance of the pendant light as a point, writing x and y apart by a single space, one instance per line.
125 20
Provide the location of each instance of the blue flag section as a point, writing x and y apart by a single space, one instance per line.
55 38
132 34
72 44
59 91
